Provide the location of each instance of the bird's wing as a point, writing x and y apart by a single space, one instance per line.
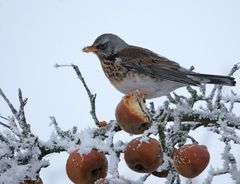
147 62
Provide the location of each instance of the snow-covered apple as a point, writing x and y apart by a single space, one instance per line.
142 155
191 159
86 168
129 114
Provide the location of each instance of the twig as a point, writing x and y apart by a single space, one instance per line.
23 102
21 114
5 125
92 97
144 178
3 118
234 69
192 139
14 111
60 132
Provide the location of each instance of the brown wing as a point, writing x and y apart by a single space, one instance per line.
147 62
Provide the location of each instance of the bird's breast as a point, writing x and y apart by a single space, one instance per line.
126 81
114 72
152 87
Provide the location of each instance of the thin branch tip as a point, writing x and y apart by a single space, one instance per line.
56 65
62 65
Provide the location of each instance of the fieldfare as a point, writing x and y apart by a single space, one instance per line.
130 68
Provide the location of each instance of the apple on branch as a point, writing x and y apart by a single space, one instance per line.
191 159
86 168
129 113
143 156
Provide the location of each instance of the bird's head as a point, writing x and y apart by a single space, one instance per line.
106 45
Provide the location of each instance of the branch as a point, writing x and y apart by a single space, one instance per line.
14 111
92 97
23 122
60 132
234 69
5 125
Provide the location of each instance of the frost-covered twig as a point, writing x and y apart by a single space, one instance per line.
92 97
143 178
14 111
235 68
23 122
19 115
21 150
59 131
229 166
5 125
215 113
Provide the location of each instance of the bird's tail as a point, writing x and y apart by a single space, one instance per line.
213 79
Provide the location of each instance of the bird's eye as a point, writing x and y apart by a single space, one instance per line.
102 46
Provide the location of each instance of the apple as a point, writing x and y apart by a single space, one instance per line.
191 159
129 114
86 168
143 156
102 124
38 181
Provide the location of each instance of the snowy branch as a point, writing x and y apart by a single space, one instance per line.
22 150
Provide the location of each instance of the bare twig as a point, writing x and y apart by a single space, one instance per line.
92 97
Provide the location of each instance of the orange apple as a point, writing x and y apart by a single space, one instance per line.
39 181
102 123
143 156
129 114
191 159
86 168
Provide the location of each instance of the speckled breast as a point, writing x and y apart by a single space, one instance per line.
114 72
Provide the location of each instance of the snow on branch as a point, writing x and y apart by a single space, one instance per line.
22 153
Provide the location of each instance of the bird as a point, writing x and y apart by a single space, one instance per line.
131 68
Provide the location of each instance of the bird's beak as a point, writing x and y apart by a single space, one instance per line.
89 49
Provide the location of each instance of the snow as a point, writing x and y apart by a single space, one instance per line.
33 41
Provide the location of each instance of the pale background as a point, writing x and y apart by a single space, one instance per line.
34 35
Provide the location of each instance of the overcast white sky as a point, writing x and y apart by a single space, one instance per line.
34 35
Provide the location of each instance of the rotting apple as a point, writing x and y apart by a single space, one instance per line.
143 156
191 159
129 114
86 168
